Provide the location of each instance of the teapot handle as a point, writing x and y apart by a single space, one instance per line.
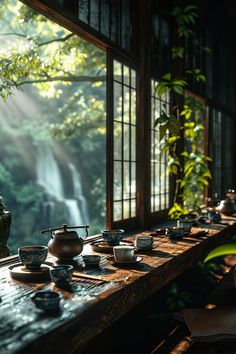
65 227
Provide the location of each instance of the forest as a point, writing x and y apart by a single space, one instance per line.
52 126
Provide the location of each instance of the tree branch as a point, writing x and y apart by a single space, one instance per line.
63 39
64 79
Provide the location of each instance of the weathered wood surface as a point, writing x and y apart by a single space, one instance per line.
93 305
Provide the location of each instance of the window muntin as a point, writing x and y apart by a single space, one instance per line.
160 189
124 137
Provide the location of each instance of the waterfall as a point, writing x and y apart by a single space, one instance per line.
78 193
50 178
48 173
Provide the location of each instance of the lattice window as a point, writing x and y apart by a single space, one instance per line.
110 18
124 135
160 190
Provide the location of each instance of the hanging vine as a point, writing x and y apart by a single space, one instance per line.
184 123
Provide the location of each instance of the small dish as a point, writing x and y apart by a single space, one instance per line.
91 260
135 260
46 300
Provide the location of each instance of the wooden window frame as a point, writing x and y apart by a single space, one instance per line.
140 56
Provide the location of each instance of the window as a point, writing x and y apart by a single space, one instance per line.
124 137
52 131
160 190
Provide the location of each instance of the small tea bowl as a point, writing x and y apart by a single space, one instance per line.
185 224
123 254
143 242
175 232
113 237
91 260
46 300
213 216
61 274
32 256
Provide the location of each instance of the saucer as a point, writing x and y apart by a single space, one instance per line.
19 272
135 260
103 247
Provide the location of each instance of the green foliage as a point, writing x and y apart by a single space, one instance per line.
185 19
177 299
65 76
191 167
228 249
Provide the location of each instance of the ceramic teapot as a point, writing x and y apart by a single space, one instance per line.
65 244
227 207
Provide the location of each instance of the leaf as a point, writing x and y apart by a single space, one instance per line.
178 89
163 129
167 77
220 251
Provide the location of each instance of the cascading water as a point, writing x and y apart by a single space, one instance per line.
50 178
48 173
78 193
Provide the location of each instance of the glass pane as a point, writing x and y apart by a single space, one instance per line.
117 71
126 209
94 22
133 79
133 143
117 140
133 180
133 107
117 101
105 17
126 75
126 192
133 207
117 181
83 10
126 141
117 210
126 104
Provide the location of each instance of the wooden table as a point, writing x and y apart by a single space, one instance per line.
95 303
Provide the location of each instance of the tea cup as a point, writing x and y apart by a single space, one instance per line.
123 254
185 224
61 274
175 232
46 300
143 241
32 256
91 260
113 237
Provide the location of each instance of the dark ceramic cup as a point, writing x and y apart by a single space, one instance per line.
91 260
113 237
175 232
46 300
61 274
32 256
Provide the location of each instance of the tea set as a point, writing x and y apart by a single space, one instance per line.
65 244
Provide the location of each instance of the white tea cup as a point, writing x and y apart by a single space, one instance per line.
123 254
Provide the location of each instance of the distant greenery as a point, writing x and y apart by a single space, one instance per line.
65 77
